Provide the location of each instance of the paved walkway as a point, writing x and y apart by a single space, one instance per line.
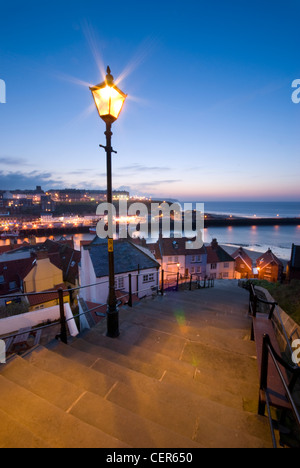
183 374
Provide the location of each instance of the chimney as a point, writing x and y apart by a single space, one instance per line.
214 244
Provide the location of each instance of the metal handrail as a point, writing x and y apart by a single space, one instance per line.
294 370
60 296
275 308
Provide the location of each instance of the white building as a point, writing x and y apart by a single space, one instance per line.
129 260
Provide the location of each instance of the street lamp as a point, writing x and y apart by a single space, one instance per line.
109 101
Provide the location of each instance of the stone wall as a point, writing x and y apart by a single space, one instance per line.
291 327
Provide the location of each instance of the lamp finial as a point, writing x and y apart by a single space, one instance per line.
109 77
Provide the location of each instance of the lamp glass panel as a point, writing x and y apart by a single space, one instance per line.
108 101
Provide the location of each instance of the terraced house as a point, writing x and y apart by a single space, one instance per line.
220 265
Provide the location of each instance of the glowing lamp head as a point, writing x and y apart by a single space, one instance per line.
109 99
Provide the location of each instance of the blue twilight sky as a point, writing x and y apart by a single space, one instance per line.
209 114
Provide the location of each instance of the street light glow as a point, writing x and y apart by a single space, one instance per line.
109 99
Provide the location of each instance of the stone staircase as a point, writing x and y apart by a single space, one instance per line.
183 374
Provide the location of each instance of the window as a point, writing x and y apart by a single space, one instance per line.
148 278
170 259
196 259
199 270
12 285
192 270
176 260
119 283
226 265
226 275
213 266
2 279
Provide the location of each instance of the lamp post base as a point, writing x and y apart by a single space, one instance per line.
113 324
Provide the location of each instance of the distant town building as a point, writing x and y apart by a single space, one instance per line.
220 265
269 267
174 257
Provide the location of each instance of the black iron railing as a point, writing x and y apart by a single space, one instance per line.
158 286
289 388
271 310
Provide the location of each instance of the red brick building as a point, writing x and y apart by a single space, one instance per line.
270 268
243 264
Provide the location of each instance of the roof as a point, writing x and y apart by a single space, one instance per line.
61 254
14 271
216 254
268 258
128 257
172 246
42 297
295 257
240 253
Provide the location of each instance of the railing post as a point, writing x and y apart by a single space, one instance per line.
63 324
255 305
264 373
177 282
272 311
130 291
191 279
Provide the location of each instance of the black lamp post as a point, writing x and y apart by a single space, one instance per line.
109 101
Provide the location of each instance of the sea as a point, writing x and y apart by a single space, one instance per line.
256 238
253 238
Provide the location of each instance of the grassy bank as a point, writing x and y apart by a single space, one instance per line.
287 296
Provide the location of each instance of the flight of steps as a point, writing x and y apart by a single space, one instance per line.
182 374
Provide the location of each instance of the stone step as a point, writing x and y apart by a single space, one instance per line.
168 422
221 339
15 436
204 362
48 423
154 340
113 356
195 314
75 362
160 361
163 363
189 404
224 364
196 310
38 381
200 386
158 342
230 369
64 395
77 373
211 425
131 428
